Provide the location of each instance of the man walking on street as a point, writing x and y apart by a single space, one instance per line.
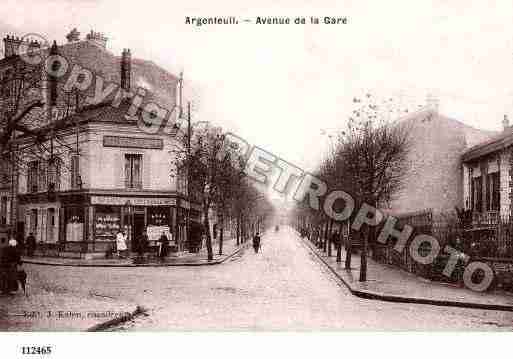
256 242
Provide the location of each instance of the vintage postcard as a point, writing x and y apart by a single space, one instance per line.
255 166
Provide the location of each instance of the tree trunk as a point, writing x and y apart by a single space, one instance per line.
349 247
238 229
330 231
363 257
221 237
339 244
206 225
324 242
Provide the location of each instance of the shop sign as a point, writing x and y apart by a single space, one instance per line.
133 142
134 201
155 232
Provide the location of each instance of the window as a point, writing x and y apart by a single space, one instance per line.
3 211
477 193
493 191
75 172
32 177
54 174
33 221
133 171
4 172
42 176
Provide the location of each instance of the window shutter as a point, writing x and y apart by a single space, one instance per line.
127 171
146 171
136 171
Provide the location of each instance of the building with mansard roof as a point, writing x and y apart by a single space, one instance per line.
95 170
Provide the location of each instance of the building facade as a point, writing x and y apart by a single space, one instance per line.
434 173
487 171
96 169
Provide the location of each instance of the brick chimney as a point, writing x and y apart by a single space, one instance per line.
505 123
126 66
97 38
12 45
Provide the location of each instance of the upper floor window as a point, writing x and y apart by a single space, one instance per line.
54 174
133 171
4 172
3 211
32 176
44 176
493 191
76 181
476 192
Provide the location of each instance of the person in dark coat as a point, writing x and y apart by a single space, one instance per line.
9 263
21 243
143 244
31 245
164 245
256 242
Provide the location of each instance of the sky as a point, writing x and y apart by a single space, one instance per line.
282 86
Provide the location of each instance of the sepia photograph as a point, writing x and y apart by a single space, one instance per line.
255 167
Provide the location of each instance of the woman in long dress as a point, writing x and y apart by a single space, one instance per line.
120 243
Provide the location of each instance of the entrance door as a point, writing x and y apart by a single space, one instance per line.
139 227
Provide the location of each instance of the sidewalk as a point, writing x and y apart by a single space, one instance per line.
230 249
388 283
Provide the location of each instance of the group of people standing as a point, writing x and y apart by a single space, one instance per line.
143 245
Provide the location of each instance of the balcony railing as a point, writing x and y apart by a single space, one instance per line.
488 218
131 183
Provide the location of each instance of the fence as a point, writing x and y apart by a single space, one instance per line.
489 240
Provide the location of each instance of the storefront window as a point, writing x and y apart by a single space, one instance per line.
74 219
158 216
107 222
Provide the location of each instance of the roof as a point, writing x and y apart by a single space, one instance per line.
494 144
100 113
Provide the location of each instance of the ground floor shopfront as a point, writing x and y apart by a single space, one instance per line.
86 223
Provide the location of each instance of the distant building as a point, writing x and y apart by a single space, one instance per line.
434 177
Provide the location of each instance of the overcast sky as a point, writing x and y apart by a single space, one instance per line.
278 85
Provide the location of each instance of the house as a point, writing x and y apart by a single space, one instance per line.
433 179
96 169
487 176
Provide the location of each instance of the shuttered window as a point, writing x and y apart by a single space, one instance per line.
133 171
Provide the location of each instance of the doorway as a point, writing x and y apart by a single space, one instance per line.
139 227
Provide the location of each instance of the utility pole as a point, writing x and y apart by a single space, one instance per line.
189 133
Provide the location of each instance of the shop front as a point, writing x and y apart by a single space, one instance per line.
81 224
89 223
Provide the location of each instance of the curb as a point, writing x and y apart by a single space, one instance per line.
133 265
117 321
368 294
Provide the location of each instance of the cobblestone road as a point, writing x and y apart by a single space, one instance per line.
283 287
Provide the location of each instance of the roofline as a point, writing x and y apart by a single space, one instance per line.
484 149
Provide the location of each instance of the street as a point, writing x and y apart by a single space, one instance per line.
281 288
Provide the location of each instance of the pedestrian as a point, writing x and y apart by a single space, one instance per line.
31 245
21 243
121 244
143 244
256 242
164 245
9 267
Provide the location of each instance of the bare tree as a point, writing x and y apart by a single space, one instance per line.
371 157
